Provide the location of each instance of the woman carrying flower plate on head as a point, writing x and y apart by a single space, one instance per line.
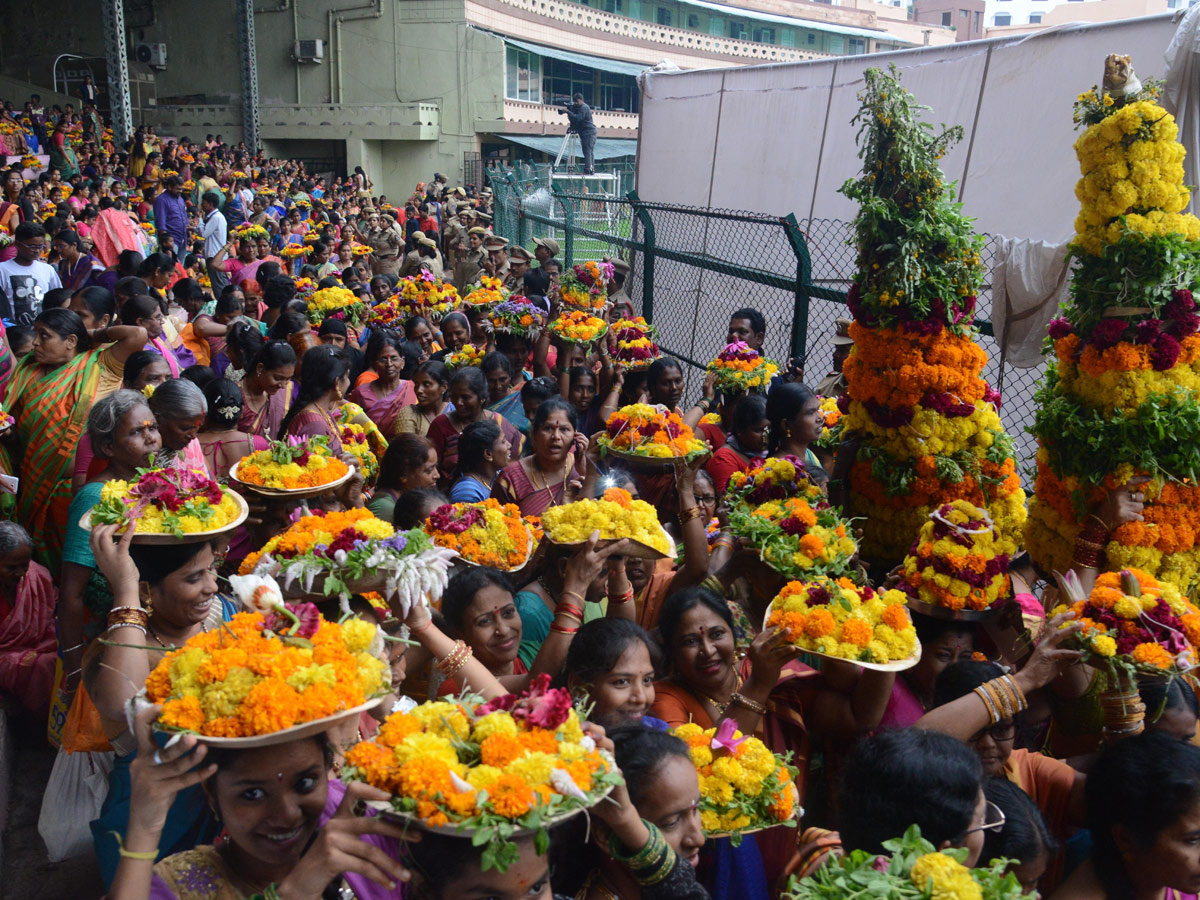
220 440
796 422
392 360
429 381
180 408
49 395
747 441
409 463
267 385
769 694
182 602
324 380
289 829
554 473
468 394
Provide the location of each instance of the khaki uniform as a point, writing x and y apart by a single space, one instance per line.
467 270
619 296
832 385
387 246
414 263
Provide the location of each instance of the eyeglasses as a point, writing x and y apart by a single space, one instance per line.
994 819
1001 731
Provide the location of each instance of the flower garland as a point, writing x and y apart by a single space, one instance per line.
636 343
840 619
292 464
958 561
336 303
616 515
348 547
743 785
1122 397
166 501
650 431
585 286
258 674
740 368
1133 624
577 327
518 315
913 869
486 534
777 510
488 769
251 232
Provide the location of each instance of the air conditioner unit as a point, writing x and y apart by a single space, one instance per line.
153 55
309 51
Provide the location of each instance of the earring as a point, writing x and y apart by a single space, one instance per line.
144 596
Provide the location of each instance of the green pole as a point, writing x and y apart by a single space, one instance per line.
803 278
568 225
643 216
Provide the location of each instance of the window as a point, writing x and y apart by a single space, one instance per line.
613 6
716 26
1002 19
562 80
618 92
737 30
812 38
522 75
977 16
693 21
787 38
946 20
964 14
664 16
1035 18
835 44
858 46
764 35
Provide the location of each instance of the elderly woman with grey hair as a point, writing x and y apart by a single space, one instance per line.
179 407
124 433
27 601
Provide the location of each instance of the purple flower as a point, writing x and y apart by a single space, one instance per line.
724 738
1060 328
1108 333
991 395
1165 353
1147 330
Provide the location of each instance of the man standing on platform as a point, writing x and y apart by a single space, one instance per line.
579 117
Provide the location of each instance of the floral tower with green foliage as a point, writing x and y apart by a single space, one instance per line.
1121 396
928 423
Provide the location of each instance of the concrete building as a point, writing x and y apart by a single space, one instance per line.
1026 16
405 88
966 17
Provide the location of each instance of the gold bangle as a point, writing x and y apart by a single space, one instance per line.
753 705
1022 703
993 714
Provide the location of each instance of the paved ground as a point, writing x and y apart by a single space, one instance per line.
28 874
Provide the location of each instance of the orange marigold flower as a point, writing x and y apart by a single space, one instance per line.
1153 655
619 496
510 796
183 712
271 705
500 749
397 727
894 616
811 545
857 632
539 740
820 623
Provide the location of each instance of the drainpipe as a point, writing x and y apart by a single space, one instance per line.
371 10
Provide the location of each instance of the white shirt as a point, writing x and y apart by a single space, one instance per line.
24 287
214 233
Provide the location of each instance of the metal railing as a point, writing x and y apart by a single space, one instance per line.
692 267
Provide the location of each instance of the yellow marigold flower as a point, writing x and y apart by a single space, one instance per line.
442 718
532 768
482 777
728 768
945 877
1103 645
421 743
493 723
716 790
701 756
710 821
358 634
1127 608
571 730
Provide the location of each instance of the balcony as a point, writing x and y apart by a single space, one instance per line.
620 37
521 117
397 121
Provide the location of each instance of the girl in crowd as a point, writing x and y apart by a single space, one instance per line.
392 360
611 667
554 473
581 392
796 423
468 393
214 329
145 369
409 463
143 311
324 380
483 451
267 385
430 380
1024 837
221 442
456 333
747 442
49 395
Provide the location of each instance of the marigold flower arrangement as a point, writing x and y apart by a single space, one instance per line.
490 292
928 422
305 287
469 355
578 327
486 534
958 561
1133 624
740 368
837 618
167 501
831 434
250 231
487 769
354 442
1122 397
650 431
518 315
427 296
781 513
636 343
31 162
265 672
913 869
345 549
744 787
616 515
585 286
292 464
293 251
148 228
336 303
361 249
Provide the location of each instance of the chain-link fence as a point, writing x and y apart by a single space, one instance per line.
692 267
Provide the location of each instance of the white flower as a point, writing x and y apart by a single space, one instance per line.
588 743
464 787
561 781
259 593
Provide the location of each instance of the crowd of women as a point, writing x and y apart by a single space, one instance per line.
174 346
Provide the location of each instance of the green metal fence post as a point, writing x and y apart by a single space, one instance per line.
803 279
513 196
568 224
643 216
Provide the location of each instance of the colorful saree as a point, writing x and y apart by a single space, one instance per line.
513 485
51 407
27 642
384 411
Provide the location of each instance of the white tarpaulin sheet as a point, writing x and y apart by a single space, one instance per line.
777 138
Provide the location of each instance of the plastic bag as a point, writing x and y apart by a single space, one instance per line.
77 788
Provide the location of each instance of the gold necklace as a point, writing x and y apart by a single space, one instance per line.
533 472
696 692
154 634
